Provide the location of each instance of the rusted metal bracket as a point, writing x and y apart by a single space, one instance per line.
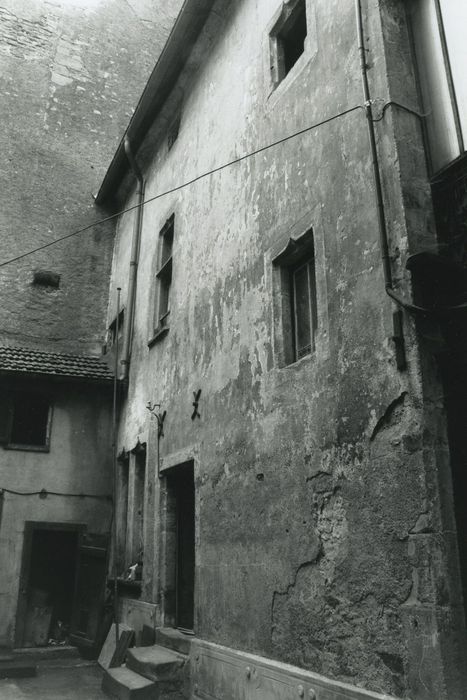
196 414
160 417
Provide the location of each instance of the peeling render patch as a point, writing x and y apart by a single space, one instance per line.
68 64
390 416
292 585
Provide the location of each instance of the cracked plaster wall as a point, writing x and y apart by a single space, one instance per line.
320 532
70 74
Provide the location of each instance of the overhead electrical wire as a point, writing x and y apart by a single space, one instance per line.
183 185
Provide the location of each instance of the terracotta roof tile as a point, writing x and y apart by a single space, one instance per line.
22 360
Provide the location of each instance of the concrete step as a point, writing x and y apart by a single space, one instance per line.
124 684
156 663
174 639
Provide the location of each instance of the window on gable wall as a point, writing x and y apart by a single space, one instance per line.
164 275
173 131
296 266
112 331
26 418
287 39
438 29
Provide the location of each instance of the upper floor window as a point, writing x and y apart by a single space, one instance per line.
438 28
26 418
117 324
287 39
298 302
303 306
164 276
173 131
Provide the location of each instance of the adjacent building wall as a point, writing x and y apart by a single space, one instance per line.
79 462
320 528
70 74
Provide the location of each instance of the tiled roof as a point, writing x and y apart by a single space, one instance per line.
24 361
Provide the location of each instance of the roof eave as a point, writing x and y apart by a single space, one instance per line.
172 59
59 378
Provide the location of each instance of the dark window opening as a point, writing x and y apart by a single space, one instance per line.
297 298
292 36
30 421
303 302
288 40
164 274
112 330
45 278
172 134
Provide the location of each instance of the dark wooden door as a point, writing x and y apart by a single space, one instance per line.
185 507
89 591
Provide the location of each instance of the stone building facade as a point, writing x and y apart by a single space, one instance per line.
70 73
294 497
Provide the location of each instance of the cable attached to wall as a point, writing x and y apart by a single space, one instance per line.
43 493
184 184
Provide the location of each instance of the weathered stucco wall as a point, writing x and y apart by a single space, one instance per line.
319 528
79 461
70 74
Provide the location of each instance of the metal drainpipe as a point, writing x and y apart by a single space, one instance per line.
131 296
374 153
398 337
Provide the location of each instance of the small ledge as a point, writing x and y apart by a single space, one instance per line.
159 333
26 448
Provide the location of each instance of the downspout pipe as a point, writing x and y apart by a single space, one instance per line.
134 259
383 234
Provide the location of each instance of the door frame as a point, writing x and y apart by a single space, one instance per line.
30 527
178 516
169 538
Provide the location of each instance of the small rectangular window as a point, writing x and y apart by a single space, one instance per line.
298 301
287 39
28 422
172 134
112 331
303 299
164 274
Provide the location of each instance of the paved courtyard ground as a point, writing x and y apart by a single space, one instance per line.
56 682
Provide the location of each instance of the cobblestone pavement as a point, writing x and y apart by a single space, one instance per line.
56 682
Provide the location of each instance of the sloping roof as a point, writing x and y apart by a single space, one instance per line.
176 52
25 361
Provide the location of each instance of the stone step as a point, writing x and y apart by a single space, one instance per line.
124 684
156 663
174 639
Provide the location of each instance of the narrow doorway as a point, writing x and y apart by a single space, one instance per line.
181 491
47 585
